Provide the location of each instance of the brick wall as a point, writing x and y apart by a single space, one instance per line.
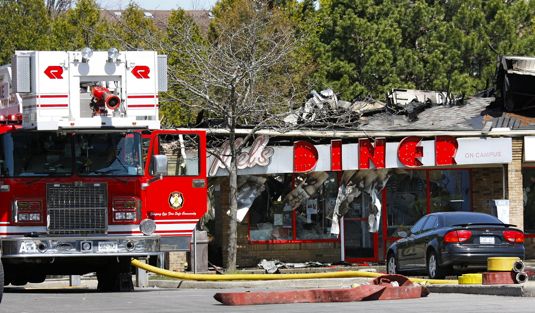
250 254
176 261
487 184
529 244
515 193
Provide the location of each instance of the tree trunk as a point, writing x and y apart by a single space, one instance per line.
233 184
233 224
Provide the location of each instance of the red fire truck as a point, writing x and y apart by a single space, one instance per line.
88 179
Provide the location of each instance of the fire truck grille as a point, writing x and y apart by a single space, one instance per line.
77 208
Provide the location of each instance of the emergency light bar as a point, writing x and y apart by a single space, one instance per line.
11 119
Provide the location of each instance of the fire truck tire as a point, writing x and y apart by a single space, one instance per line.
116 278
1 280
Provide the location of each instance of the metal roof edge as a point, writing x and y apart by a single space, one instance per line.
353 134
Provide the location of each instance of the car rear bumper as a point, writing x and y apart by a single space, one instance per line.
477 256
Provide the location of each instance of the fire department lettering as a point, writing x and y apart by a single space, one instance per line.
176 200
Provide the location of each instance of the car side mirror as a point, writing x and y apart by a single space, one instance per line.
402 234
159 165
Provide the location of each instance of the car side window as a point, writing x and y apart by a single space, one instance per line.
431 223
419 225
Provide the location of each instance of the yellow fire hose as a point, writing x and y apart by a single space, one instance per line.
229 277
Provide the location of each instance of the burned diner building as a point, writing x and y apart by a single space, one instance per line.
330 195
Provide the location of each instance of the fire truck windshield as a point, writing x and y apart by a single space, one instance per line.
42 154
111 154
35 154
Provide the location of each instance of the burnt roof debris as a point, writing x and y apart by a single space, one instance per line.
514 83
411 102
403 109
510 104
324 107
439 117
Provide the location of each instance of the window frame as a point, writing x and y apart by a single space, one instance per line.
294 239
526 233
435 223
428 196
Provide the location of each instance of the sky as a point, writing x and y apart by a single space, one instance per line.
160 4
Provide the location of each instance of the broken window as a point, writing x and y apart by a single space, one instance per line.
269 218
273 217
312 220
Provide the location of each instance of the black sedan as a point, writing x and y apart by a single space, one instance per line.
440 243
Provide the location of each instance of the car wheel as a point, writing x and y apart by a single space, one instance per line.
392 264
434 270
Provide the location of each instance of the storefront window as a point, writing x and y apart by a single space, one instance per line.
529 199
312 220
271 218
450 190
406 200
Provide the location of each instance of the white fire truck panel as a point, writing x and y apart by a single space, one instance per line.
85 89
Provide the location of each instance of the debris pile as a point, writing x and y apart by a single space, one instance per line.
325 107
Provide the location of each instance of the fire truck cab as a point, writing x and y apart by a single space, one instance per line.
88 179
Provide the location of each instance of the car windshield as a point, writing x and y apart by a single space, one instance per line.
469 218
42 154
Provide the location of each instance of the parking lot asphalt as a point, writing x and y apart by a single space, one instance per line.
517 290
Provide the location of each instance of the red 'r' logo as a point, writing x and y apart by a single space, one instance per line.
141 71
54 72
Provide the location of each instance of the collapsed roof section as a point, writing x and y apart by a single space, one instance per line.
515 81
438 117
405 109
410 109
423 110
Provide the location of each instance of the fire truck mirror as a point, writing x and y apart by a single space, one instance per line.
159 165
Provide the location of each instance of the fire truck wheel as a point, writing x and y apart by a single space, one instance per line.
116 278
1 281
105 281
114 282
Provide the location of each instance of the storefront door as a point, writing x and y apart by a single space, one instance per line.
359 244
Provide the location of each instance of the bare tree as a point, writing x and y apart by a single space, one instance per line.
242 76
57 7
232 78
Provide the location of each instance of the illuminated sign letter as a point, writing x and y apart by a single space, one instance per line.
305 157
367 153
445 150
336 155
409 151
